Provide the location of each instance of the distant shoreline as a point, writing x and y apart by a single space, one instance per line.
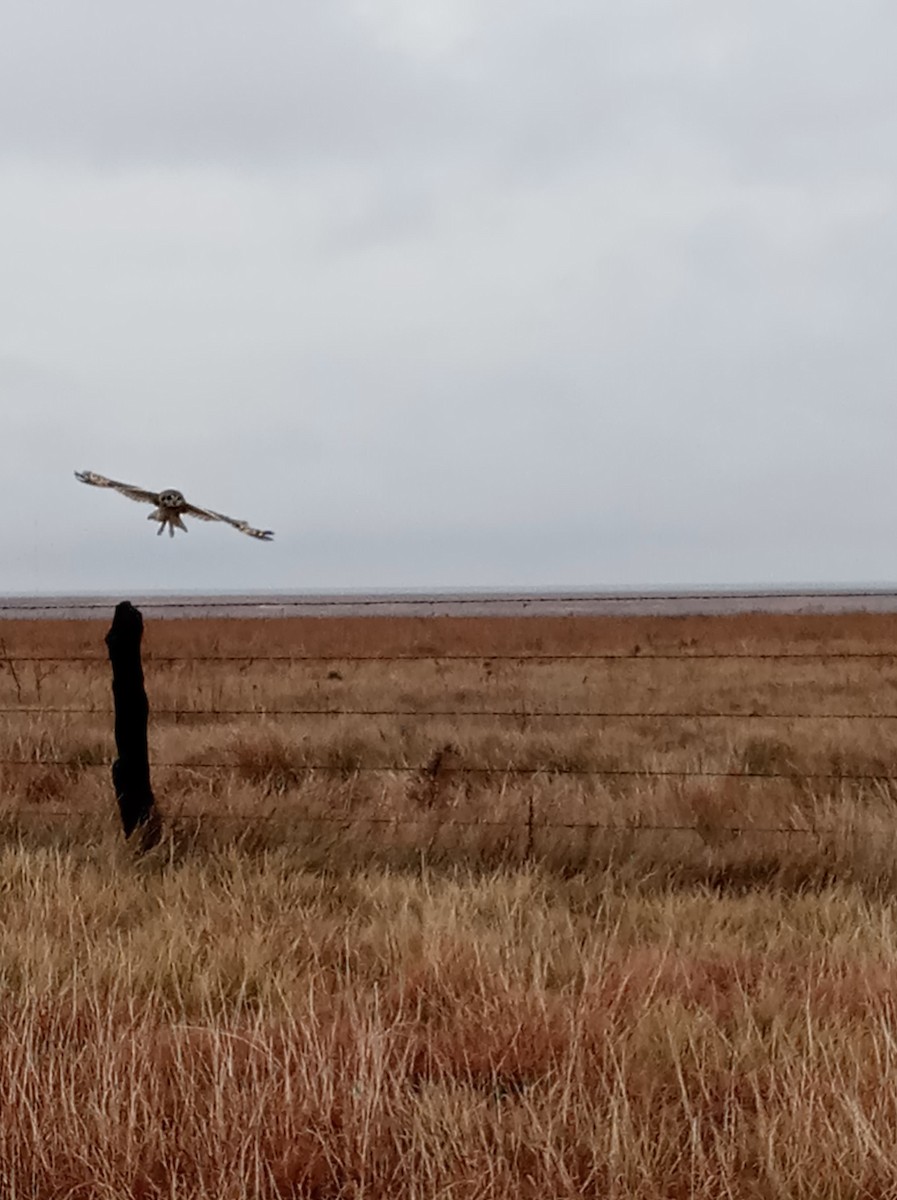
635 602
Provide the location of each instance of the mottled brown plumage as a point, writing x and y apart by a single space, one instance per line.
170 506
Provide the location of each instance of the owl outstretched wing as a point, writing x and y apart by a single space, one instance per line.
126 489
206 514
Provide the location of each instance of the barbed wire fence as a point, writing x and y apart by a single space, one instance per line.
526 716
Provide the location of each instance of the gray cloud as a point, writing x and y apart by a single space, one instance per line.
450 294
207 83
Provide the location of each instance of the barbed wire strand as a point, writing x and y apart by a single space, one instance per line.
436 658
510 713
430 771
453 822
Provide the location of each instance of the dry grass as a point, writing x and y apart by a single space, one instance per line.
352 1010
234 1026
397 784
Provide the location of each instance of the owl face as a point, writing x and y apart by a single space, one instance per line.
172 499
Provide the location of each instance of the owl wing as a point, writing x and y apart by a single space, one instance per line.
206 514
126 489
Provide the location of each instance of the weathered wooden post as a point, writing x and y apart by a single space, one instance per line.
130 771
530 828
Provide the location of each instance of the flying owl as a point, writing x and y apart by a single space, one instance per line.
170 506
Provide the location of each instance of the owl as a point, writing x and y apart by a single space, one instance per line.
170 506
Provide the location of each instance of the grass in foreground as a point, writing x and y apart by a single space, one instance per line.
233 1026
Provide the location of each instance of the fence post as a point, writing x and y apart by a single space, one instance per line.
130 771
530 829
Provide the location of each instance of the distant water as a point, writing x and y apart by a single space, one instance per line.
645 602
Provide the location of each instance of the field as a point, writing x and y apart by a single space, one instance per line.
494 955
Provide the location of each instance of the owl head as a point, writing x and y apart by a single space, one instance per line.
171 498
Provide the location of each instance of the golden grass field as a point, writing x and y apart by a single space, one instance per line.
371 983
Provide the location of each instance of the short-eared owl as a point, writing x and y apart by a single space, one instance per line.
170 506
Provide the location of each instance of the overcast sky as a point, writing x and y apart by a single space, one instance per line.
449 293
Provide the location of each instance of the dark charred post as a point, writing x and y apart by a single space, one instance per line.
530 829
130 771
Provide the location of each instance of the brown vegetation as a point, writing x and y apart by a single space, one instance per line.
457 747
319 1005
